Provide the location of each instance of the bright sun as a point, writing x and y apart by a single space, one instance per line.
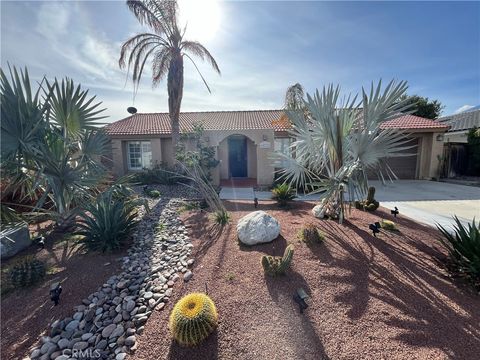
202 18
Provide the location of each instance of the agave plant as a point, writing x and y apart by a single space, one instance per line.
463 246
339 140
108 222
283 193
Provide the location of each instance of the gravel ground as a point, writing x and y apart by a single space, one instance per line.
370 298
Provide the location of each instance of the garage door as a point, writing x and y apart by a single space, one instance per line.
405 167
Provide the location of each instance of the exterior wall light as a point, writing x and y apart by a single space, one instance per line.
264 137
440 137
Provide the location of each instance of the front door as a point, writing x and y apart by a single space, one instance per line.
237 156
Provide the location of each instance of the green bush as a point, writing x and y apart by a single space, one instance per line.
159 174
155 194
463 247
275 265
108 222
388 225
26 272
283 193
221 217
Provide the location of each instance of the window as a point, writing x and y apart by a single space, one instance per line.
282 145
139 155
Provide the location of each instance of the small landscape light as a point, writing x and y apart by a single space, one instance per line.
55 291
300 296
255 202
40 241
394 212
375 228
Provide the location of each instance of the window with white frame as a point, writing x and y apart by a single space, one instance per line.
139 155
282 145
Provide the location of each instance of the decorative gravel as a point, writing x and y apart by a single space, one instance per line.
382 297
106 324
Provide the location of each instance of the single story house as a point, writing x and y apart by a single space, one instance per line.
244 141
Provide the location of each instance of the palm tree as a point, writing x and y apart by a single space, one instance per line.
294 97
167 48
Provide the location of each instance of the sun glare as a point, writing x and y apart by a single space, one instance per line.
202 18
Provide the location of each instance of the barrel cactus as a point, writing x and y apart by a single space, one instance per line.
370 204
275 265
388 225
311 235
193 319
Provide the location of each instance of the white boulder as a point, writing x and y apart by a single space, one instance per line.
319 211
257 227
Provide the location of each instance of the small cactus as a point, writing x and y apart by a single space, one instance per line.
193 319
388 225
26 272
370 204
311 235
274 265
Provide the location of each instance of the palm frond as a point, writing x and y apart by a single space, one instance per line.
197 49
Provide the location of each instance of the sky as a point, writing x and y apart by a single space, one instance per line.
261 48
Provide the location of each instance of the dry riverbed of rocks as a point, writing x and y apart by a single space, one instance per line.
106 324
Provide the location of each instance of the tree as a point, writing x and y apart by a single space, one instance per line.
423 107
341 140
294 97
167 48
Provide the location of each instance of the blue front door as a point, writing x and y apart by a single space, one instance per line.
237 156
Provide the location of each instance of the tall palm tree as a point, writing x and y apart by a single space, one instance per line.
294 97
167 48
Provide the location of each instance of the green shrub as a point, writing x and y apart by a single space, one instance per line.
370 204
311 235
155 194
388 225
26 272
221 217
283 193
463 247
108 222
275 265
159 174
193 319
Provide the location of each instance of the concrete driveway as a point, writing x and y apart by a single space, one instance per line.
430 202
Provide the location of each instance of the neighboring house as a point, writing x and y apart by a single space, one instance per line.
455 141
244 141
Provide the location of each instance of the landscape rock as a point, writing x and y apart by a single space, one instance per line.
257 227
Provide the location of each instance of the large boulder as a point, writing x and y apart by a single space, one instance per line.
319 211
257 227
13 240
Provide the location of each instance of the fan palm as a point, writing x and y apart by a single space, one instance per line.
338 142
167 48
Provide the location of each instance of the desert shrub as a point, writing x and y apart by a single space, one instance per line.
193 319
283 193
276 265
311 235
108 222
159 174
26 272
221 217
388 225
370 204
155 194
463 246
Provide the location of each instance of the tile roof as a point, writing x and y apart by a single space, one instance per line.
412 122
159 123
463 121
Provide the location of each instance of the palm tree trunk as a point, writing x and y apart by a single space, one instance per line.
175 94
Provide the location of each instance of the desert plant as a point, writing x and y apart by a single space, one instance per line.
26 272
221 217
276 265
167 48
463 246
193 319
283 193
388 225
339 142
155 194
159 174
108 222
370 204
311 235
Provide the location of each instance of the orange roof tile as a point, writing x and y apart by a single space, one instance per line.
412 122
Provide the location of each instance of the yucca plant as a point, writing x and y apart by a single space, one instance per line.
283 193
109 221
221 217
339 141
463 246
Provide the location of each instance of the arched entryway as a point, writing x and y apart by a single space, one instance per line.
238 155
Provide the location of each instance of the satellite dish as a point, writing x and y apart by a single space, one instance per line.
132 110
